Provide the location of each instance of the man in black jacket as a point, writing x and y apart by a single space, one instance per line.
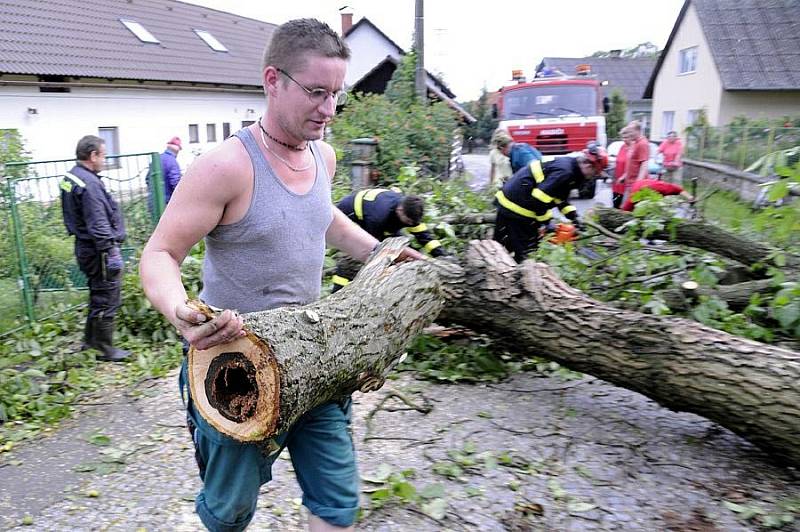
526 200
384 213
95 219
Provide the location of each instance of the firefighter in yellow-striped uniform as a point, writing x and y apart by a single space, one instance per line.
384 213
528 197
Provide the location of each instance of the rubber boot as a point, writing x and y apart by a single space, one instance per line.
104 341
88 335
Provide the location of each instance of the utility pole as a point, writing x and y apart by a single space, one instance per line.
419 48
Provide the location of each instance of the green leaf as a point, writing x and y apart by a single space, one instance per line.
381 495
432 491
33 372
436 508
99 439
577 507
404 490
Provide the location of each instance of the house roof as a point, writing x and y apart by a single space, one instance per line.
378 77
434 83
364 21
85 38
755 43
628 75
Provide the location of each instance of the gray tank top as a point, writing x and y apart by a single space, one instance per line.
273 256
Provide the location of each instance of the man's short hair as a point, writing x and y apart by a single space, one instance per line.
293 41
86 146
636 126
414 208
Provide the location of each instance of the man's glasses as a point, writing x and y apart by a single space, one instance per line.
319 95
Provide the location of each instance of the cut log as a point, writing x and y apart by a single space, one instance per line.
294 359
745 386
737 296
704 236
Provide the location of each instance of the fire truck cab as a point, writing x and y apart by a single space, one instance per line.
555 113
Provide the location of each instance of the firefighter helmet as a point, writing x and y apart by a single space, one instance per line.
597 155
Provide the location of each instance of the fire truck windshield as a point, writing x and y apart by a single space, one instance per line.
550 100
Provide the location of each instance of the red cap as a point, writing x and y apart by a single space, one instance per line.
176 141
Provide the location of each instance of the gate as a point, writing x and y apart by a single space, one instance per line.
38 272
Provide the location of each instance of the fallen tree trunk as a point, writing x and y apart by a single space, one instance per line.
737 296
294 359
745 386
348 341
704 236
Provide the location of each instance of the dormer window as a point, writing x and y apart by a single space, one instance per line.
140 31
211 41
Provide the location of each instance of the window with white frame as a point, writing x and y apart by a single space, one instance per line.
688 60
211 41
194 134
226 130
691 116
140 31
211 132
667 123
111 137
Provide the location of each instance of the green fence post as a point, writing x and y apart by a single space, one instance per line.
770 140
743 155
27 292
721 142
157 186
702 143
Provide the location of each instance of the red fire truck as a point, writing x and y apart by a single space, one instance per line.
555 113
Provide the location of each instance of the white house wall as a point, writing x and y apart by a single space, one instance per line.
759 104
681 93
368 49
52 123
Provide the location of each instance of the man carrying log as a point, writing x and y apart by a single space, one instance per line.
262 201
384 213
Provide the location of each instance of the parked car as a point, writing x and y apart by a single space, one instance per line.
655 164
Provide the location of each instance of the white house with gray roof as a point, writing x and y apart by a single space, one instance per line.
729 57
135 72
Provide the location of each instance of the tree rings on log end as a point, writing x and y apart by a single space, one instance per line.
236 388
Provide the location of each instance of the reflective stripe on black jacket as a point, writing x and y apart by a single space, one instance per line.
535 189
90 213
375 209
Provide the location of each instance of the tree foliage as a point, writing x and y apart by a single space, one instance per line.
408 133
615 118
485 125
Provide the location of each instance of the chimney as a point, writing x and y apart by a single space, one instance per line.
615 53
347 23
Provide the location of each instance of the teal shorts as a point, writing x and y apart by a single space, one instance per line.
323 457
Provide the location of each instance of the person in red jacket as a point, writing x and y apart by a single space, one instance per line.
618 186
638 155
672 149
662 187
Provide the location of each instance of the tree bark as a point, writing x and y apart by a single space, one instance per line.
748 387
737 296
704 236
294 359
301 357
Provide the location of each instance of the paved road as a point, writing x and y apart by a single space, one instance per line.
582 455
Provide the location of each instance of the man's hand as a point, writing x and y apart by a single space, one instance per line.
409 254
203 333
114 263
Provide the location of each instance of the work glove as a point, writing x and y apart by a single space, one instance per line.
439 252
579 225
114 263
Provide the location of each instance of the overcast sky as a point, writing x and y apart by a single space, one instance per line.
476 44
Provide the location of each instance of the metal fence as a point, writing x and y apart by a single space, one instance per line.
38 272
739 146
